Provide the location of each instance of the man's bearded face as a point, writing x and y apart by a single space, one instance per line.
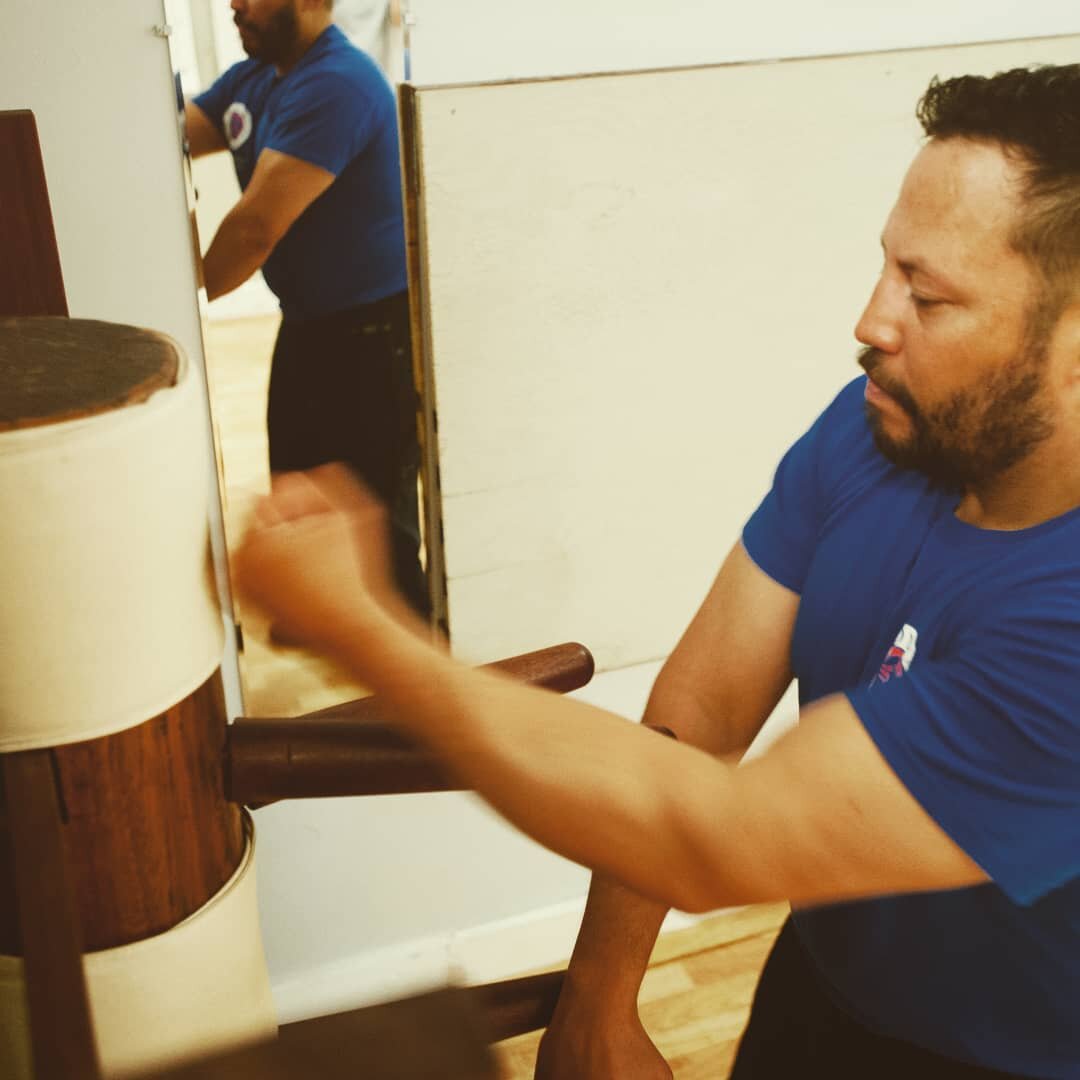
271 37
977 432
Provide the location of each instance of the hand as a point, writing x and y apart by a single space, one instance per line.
316 557
577 1047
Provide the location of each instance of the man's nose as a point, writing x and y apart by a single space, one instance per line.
879 324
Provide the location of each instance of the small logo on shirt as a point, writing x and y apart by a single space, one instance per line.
237 124
898 658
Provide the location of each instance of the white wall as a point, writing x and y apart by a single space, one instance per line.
481 40
101 90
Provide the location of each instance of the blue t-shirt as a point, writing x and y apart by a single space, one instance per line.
959 648
334 109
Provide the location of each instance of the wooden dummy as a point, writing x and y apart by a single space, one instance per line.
120 829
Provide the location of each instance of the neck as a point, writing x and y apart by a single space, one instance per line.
1043 486
310 29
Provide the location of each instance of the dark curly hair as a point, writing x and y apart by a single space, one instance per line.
1034 115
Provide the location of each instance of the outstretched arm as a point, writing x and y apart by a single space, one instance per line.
820 817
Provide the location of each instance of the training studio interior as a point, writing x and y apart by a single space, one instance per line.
638 238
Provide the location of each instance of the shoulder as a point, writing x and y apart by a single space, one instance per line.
243 73
236 81
843 427
339 70
832 463
838 450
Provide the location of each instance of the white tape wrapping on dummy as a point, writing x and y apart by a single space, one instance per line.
109 615
198 989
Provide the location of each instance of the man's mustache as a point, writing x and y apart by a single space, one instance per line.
870 360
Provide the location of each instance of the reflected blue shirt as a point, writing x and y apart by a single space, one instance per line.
334 109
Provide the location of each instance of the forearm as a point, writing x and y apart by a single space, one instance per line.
620 927
547 763
617 935
238 249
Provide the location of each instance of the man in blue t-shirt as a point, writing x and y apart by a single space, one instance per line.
312 127
916 566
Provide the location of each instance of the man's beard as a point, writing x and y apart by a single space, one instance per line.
276 40
978 432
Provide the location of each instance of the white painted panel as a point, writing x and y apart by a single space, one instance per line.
640 289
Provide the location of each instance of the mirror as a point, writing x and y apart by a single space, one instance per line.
570 566
343 384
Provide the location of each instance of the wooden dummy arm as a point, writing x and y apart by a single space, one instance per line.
351 749
438 1034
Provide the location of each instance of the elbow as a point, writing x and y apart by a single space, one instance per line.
255 236
710 893
692 884
708 872
698 898
260 241
696 903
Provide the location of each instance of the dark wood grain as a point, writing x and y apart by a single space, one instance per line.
561 668
150 834
434 1036
515 1006
274 759
61 1034
31 282
352 749
54 369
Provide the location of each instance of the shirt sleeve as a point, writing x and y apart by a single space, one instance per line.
988 741
325 121
217 97
783 531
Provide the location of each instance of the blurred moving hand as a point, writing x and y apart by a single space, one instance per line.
317 558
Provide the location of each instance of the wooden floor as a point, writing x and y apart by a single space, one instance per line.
697 991
275 681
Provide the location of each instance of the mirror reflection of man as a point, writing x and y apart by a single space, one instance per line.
312 127
916 566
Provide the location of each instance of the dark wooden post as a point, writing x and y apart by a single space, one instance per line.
30 279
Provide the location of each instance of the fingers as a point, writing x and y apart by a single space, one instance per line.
293 495
341 488
318 490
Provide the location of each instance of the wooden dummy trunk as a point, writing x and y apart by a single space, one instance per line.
117 834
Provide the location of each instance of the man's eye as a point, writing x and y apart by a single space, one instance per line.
924 301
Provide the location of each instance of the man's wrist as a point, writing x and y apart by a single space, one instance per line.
607 992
